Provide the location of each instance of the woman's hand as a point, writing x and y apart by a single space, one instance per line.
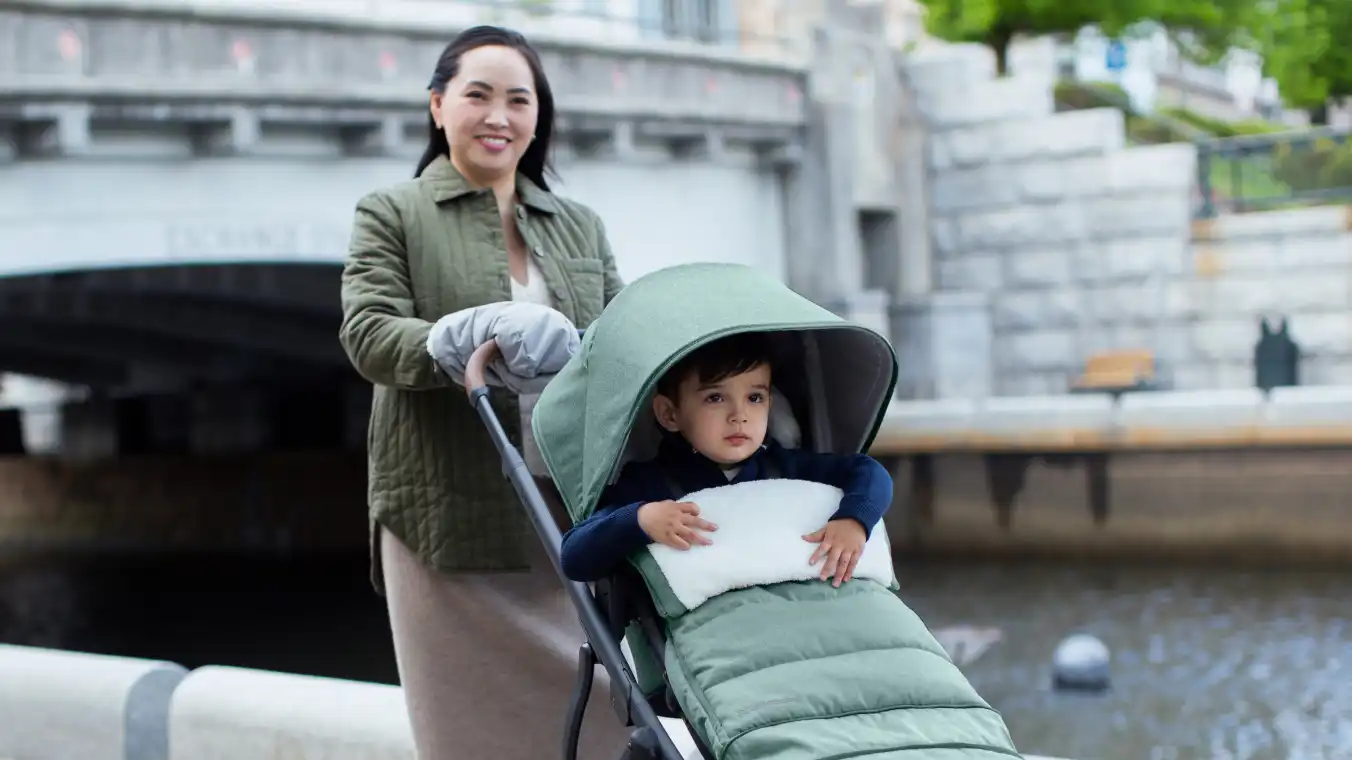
674 523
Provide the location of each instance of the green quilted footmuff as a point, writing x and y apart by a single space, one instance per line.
806 671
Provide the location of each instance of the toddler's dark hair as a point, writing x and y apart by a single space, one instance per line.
721 359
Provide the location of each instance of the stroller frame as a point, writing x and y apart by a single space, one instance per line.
603 613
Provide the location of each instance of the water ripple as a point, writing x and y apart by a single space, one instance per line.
1207 663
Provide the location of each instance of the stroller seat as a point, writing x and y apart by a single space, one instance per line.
775 664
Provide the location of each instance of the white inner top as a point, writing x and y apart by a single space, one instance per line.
535 291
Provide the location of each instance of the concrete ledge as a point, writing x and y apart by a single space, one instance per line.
58 705
1311 412
1148 418
221 713
1205 419
941 423
1045 419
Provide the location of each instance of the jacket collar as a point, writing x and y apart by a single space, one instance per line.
693 471
448 184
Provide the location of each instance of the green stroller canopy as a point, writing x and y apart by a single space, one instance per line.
595 415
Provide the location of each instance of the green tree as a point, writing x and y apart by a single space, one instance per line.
1205 27
1298 40
1205 31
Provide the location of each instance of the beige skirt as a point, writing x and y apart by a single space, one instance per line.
487 662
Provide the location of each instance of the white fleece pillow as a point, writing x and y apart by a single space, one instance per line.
759 540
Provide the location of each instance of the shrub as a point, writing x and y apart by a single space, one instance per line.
1151 131
1323 164
1221 128
1076 96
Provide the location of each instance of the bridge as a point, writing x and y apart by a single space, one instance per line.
178 186
177 182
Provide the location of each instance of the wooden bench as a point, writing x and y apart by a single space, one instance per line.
1117 371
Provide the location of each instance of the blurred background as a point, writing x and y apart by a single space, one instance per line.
1110 243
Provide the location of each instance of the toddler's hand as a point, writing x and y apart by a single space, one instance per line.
841 544
674 523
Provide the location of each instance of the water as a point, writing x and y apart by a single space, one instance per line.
1207 663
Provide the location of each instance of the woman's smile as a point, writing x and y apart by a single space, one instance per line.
494 143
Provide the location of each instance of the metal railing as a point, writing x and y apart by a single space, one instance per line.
1273 171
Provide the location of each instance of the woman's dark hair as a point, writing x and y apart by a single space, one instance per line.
535 161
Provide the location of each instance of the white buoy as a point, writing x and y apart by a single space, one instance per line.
1081 663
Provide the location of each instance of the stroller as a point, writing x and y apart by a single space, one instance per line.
738 661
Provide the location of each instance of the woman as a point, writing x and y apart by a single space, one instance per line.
484 661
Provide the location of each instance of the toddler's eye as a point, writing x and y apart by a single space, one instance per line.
757 398
713 398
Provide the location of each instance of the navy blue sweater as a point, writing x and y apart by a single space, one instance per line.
595 547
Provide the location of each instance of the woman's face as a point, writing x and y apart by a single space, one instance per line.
488 112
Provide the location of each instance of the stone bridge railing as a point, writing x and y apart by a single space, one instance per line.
70 72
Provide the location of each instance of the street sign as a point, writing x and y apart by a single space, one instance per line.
1116 56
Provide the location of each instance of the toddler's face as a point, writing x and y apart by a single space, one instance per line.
726 420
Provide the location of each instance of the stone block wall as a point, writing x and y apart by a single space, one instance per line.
1295 264
1065 238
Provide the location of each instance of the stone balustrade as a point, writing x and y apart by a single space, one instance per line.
228 75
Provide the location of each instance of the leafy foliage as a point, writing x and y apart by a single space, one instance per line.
1205 28
1298 40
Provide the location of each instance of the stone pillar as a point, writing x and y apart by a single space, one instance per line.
944 342
822 240
915 270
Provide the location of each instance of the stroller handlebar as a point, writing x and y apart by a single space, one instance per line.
475 367
477 364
